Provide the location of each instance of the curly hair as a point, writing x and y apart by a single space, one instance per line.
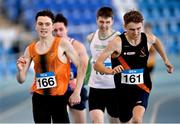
133 16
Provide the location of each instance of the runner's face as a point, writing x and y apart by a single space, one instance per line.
104 24
44 26
134 30
60 29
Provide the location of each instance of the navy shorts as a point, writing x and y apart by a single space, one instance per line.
84 97
128 99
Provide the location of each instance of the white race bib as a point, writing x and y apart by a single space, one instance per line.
45 80
133 76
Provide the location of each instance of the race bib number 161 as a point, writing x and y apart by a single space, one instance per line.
133 76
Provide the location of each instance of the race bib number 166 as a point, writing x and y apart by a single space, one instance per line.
45 80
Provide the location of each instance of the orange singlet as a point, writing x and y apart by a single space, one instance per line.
49 62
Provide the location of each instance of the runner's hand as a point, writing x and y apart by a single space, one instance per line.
169 66
21 62
118 69
74 98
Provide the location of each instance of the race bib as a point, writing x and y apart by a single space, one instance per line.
45 80
73 73
107 64
134 76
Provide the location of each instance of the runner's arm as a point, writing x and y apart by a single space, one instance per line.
159 48
23 64
82 53
114 45
73 56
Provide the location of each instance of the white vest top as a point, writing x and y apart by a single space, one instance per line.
97 79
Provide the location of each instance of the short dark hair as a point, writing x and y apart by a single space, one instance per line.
47 13
133 16
60 18
105 12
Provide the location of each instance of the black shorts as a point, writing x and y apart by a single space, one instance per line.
128 99
104 98
84 97
47 108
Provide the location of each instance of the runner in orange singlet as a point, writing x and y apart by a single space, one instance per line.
52 72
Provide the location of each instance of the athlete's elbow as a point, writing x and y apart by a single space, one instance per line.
96 66
20 80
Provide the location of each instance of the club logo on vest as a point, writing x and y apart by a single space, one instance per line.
142 52
129 53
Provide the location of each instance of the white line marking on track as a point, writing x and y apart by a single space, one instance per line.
157 106
15 109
